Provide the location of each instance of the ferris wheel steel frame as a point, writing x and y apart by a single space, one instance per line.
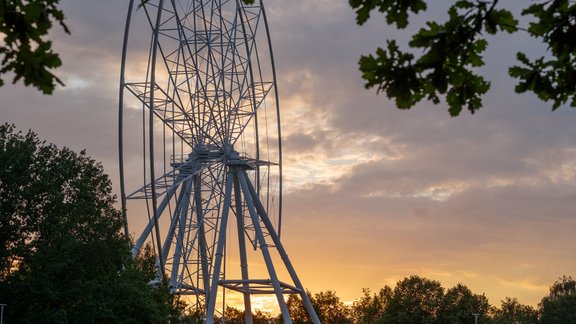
207 83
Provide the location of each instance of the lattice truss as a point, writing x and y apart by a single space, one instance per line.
205 90
205 160
209 92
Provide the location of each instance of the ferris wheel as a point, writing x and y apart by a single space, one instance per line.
200 149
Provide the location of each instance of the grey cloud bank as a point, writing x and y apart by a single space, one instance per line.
487 199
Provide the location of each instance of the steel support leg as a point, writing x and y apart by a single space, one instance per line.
281 251
201 234
219 250
180 236
138 244
242 246
173 223
250 201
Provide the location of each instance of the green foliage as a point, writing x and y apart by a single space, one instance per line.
551 79
414 300
452 51
236 316
369 308
459 303
49 196
297 311
396 11
327 305
560 304
512 312
25 52
393 71
63 257
330 309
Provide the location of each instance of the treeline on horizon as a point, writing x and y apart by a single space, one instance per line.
418 300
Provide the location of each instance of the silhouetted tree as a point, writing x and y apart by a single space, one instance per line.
64 259
512 312
234 315
560 304
260 317
370 307
327 305
452 52
297 311
459 303
330 309
414 300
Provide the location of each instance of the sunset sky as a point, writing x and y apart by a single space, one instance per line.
373 194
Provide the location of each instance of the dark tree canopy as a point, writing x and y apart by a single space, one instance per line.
328 307
459 303
236 316
560 304
414 300
370 307
452 51
297 310
25 52
511 312
63 258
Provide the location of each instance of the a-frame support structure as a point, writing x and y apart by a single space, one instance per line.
239 188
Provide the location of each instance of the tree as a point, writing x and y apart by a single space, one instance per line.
330 309
63 256
297 310
512 312
260 317
25 52
414 300
560 304
369 308
459 303
452 51
236 316
327 305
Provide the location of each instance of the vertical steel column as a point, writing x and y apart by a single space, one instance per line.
219 250
180 237
201 234
282 252
242 246
250 199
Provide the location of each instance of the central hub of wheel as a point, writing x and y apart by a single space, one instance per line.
210 154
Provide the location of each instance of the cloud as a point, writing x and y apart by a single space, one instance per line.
485 199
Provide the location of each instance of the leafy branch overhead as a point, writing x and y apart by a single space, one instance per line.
553 79
25 52
452 51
